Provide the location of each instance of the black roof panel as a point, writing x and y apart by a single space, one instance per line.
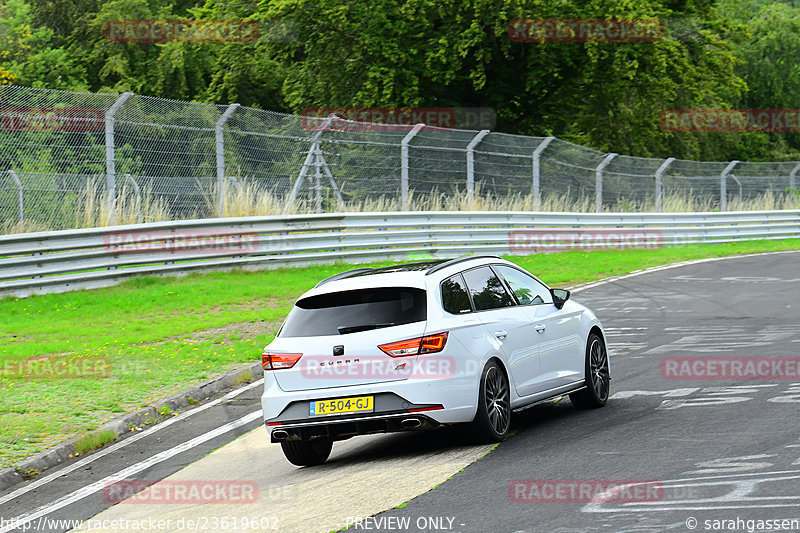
429 267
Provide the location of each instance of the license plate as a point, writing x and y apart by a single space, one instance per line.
338 406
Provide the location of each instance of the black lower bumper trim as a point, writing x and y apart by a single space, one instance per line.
344 429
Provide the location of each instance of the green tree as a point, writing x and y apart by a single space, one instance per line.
458 53
769 66
28 56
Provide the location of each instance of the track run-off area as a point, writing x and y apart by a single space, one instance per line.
680 446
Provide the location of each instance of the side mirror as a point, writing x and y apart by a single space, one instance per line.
560 296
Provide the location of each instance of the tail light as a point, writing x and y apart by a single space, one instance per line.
420 345
278 361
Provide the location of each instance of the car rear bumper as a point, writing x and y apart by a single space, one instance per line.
345 428
433 402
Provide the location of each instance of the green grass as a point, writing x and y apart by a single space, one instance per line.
156 336
92 441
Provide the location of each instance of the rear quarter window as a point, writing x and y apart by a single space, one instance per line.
339 313
455 298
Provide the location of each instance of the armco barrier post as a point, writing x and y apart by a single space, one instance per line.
598 181
404 165
471 166
219 141
111 171
536 185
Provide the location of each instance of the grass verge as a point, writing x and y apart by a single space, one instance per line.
92 441
139 341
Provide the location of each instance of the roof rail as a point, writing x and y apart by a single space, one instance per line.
341 275
459 260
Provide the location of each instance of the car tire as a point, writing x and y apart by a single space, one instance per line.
598 377
492 422
307 452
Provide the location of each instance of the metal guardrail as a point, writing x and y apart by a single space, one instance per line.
60 261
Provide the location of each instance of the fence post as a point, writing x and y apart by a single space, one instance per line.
723 185
404 165
311 158
739 183
219 141
317 178
471 166
138 192
111 171
598 181
659 184
792 175
14 177
535 186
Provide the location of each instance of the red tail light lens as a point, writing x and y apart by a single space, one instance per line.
433 343
402 348
278 361
420 345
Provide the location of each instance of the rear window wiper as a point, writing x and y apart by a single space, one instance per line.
364 327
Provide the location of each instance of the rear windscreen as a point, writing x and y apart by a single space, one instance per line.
340 313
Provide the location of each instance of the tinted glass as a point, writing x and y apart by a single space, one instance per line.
340 313
455 298
486 289
527 289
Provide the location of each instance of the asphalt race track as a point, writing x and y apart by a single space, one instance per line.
721 450
673 451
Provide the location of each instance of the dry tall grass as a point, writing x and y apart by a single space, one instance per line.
92 209
679 202
243 198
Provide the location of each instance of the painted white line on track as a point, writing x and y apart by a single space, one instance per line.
119 445
673 265
88 490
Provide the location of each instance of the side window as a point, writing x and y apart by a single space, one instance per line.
487 290
527 289
455 298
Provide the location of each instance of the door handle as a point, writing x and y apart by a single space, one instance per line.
501 334
539 328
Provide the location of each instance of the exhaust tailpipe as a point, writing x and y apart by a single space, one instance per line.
280 434
410 423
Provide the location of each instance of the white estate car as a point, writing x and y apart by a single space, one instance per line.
421 345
